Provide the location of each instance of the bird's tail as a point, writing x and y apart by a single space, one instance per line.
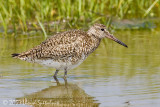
21 56
15 55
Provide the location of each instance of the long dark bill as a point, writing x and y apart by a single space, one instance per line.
110 36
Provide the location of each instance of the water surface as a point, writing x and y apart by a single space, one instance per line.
112 76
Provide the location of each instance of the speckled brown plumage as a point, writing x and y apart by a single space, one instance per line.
70 48
63 46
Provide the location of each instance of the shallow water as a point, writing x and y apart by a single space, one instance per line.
112 76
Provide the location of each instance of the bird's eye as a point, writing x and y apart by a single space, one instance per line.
102 29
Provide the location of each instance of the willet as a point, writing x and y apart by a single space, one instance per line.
67 50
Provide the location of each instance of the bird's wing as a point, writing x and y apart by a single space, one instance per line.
60 46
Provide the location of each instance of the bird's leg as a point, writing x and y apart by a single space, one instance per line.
65 81
65 74
57 81
55 74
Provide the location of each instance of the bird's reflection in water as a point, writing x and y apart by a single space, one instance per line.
64 95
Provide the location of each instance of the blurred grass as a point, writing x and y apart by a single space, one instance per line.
22 15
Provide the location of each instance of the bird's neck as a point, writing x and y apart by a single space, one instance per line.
95 39
95 42
90 33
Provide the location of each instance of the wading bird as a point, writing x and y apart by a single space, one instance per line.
67 50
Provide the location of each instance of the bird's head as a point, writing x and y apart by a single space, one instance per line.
100 31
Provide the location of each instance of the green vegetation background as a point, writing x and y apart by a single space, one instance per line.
53 15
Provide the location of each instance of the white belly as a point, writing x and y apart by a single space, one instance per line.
51 63
58 65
